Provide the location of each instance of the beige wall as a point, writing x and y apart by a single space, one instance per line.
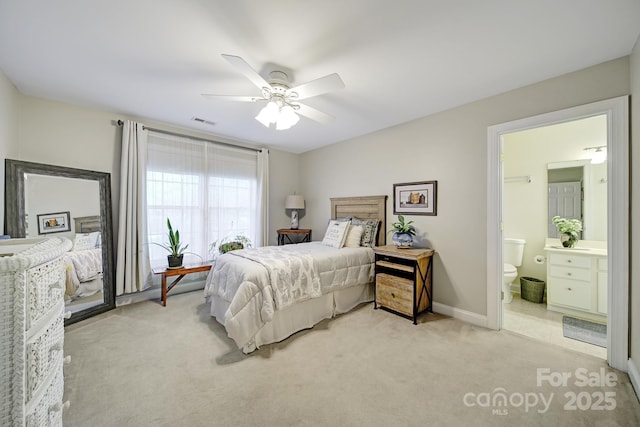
284 179
450 147
8 129
66 135
635 208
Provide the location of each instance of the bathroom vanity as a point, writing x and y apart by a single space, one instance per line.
577 280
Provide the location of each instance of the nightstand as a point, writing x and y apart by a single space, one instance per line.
403 280
300 235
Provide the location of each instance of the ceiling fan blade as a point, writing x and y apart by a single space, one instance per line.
234 98
242 66
313 114
318 86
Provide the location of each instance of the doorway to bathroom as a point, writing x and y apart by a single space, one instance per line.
509 191
562 179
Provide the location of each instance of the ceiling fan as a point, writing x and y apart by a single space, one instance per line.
282 99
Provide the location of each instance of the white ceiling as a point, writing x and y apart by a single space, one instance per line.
400 60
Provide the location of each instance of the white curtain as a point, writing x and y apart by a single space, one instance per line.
208 191
133 270
263 197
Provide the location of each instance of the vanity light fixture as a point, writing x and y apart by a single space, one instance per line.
599 155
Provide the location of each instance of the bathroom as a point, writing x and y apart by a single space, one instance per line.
534 159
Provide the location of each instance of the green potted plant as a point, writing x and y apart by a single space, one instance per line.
227 244
403 232
568 229
174 247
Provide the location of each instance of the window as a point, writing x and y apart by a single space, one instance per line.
208 191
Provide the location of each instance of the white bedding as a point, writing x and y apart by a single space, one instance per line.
244 284
83 269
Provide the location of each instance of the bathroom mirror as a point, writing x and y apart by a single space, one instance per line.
578 189
43 199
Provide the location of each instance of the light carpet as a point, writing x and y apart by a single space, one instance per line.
148 365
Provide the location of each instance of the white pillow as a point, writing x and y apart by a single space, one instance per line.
336 233
87 241
353 236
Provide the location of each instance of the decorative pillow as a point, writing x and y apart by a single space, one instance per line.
336 233
87 241
354 235
370 231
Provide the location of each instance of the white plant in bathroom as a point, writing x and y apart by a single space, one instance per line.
568 229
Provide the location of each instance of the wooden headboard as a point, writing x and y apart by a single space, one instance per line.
87 224
364 207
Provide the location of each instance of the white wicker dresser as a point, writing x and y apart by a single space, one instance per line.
32 331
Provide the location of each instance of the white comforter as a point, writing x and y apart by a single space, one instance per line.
82 266
257 282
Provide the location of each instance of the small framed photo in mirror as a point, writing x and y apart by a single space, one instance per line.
53 223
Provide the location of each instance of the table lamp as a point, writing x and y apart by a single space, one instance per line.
294 202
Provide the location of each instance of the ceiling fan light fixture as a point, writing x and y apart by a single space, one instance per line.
269 114
287 118
279 112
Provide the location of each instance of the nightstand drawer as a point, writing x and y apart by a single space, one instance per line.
395 293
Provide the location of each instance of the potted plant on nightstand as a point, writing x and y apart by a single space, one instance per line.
568 229
174 247
403 232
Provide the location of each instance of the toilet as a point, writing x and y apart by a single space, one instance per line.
512 251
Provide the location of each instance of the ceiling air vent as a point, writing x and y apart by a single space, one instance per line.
203 121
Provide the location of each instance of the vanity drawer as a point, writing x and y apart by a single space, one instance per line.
572 293
395 293
570 273
570 260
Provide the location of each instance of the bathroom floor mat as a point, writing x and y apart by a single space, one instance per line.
585 331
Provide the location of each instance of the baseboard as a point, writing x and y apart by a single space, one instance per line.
156 293
464 315
634 376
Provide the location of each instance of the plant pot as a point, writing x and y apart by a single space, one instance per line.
402 240
568 240
175 261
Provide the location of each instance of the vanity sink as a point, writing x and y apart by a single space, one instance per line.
586 250
571 249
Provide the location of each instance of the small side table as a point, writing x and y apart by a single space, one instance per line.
403 280
180 272
285 233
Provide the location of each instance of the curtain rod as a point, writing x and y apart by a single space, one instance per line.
166 132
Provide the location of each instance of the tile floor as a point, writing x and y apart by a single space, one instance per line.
535 321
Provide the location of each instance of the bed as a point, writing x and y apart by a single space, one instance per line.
83 264
265 295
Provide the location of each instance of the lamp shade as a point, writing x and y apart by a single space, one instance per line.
294 201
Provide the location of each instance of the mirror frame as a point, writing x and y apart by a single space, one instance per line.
14 197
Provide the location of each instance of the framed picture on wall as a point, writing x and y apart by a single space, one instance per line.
415 198
53 223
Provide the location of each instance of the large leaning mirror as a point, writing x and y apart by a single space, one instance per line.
41 200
